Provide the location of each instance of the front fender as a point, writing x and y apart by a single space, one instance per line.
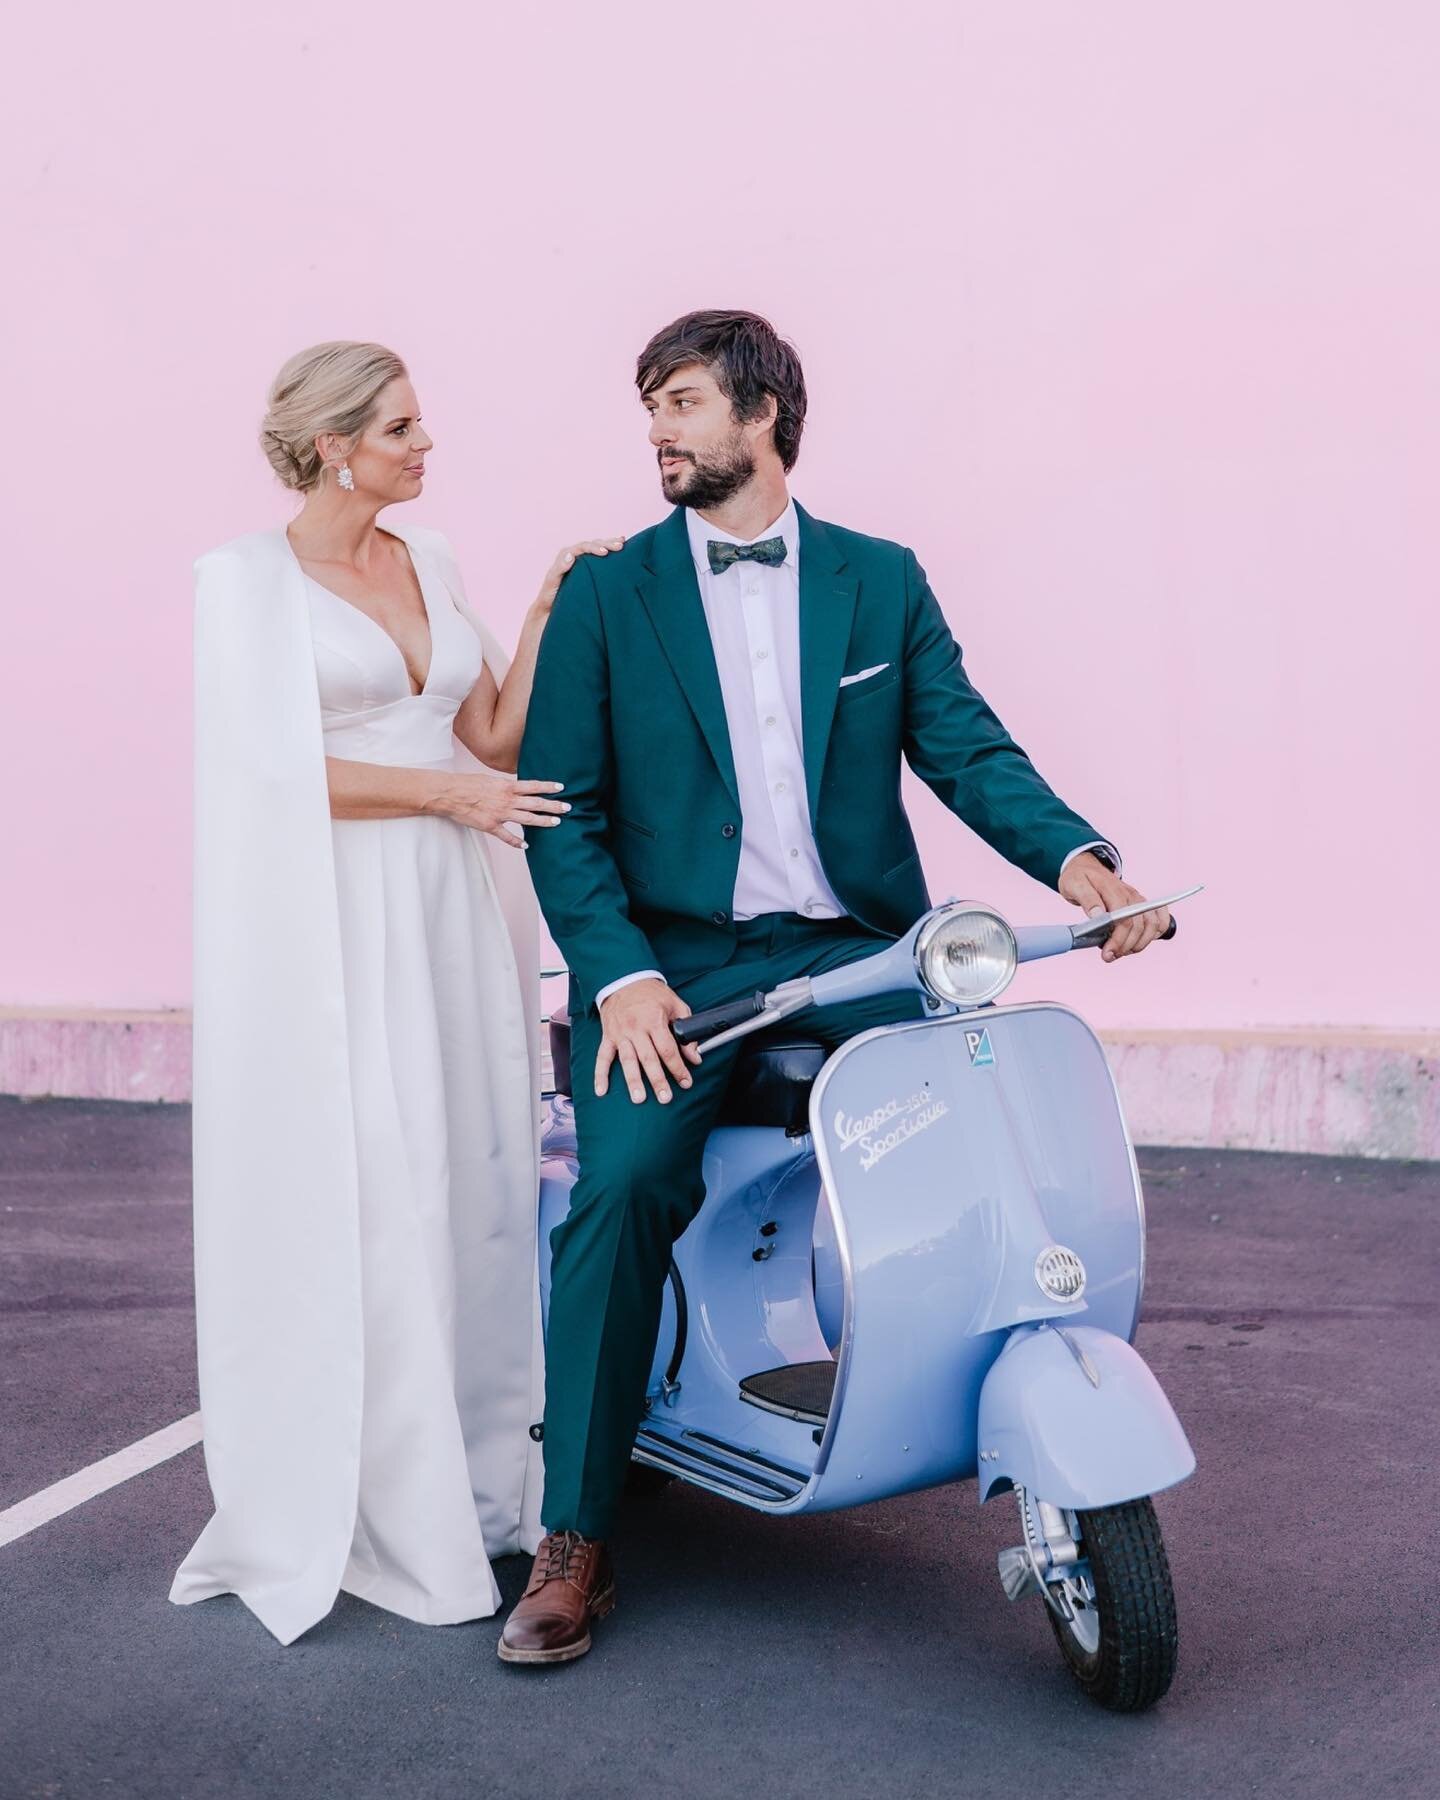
1073 1414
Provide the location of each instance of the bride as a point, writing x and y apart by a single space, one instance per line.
365 1091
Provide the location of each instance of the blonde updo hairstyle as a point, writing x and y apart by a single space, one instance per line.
331 387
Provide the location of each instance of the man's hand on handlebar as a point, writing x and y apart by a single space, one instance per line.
636 1023
1088 884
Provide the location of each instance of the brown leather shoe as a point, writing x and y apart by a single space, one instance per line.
571 1584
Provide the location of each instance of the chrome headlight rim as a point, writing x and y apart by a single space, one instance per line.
942 918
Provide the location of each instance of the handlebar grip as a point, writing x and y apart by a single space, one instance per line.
718 1018
1164 937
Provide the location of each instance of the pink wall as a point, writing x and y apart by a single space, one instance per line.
1124 316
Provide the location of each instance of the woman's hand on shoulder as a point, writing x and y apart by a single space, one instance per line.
498 804
565 561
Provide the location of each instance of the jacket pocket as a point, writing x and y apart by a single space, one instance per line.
910 862
852 693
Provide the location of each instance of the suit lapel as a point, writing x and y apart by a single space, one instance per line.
671 596
827 612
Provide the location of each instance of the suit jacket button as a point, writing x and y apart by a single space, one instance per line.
718 917
727 831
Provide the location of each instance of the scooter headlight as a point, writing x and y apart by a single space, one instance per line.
966 954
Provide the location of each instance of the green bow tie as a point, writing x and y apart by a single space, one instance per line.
771 553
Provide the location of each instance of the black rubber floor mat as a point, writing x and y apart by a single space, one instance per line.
798 1390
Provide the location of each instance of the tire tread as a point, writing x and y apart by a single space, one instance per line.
1134 1595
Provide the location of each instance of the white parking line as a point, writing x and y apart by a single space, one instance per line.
64 1496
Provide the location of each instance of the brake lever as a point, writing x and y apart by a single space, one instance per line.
790 997
1095 930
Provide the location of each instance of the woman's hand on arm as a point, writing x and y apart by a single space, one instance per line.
491 723
494 803
498 804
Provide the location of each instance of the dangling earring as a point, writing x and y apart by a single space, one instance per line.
346 479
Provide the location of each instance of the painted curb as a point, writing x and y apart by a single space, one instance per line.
1333 1093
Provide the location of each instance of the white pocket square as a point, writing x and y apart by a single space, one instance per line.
863 675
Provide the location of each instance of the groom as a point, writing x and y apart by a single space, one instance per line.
727 701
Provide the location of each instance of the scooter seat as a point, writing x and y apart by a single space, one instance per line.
770 1086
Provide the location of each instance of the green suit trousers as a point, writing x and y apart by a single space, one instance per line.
640 1185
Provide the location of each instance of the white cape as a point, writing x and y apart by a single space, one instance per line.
277 1258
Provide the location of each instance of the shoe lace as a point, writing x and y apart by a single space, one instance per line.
559 1547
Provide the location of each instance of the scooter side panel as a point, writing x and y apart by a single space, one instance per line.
952 1160
1078 1433
745 1313
745 1263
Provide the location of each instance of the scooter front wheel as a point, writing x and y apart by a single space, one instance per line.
1121 1641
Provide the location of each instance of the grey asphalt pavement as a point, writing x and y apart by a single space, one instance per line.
1291 1314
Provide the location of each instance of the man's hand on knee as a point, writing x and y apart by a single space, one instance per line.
636 1022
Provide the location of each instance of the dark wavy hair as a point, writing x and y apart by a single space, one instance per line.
748 358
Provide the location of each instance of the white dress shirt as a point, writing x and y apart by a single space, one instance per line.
753 612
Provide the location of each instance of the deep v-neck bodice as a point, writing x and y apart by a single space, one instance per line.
369 707
388 635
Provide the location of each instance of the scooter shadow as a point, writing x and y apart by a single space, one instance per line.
905 1589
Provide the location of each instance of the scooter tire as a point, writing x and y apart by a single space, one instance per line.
1134 1663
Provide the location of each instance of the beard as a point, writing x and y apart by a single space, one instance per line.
709 479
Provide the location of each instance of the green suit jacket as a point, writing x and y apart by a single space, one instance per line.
627 712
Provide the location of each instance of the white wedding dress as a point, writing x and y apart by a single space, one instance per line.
444 1132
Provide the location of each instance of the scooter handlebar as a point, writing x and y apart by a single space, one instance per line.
716 1019
859 979
1096 931
1037 941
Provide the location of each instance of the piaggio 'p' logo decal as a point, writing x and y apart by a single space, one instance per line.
978 1044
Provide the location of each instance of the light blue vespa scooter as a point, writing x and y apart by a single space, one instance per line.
920 1260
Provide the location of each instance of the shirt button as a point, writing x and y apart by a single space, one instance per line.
727 831
770 719
809 906
779 787
794 852
718 917
760 655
